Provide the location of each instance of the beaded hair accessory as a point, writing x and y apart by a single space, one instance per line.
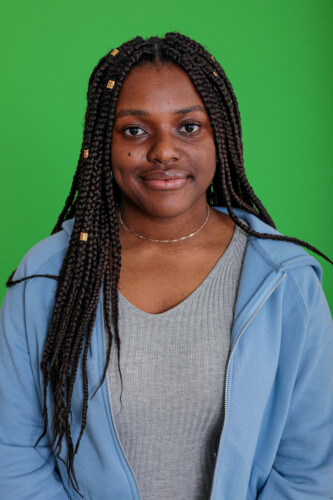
83 236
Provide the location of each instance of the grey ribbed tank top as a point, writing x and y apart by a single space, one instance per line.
173 366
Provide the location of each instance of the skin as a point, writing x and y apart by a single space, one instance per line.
165 141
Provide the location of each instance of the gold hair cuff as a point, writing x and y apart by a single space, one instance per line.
114 52
212 58
110 84
214 73
83 236
85 153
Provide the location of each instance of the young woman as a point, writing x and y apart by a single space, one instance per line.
221 380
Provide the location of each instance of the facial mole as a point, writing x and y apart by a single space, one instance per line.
129 154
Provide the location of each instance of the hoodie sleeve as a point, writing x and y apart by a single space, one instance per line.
25 472
303 466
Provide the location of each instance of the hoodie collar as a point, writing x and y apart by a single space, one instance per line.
277 254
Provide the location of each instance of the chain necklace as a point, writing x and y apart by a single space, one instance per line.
165 241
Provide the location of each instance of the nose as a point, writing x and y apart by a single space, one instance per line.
163 149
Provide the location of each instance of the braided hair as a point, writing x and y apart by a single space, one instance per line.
93 201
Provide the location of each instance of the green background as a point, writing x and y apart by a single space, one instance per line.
277 55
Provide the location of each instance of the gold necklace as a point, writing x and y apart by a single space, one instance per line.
165 241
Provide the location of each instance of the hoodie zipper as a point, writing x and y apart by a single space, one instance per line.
115 429
227 374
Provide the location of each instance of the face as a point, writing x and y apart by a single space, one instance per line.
162 122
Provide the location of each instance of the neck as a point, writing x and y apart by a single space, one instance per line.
165 224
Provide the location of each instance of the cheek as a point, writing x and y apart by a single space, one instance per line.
123 168
117 151
119 157
206 157
124 155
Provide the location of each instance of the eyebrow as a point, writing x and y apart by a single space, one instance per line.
140 112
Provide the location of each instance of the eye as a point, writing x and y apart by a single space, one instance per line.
191 125
133 129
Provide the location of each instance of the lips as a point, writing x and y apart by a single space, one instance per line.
165 180
164 175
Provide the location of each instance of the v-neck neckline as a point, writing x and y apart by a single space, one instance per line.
139 312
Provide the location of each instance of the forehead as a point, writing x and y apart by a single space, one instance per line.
150 86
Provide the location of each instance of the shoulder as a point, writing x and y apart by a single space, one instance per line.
28 304
303 272
46 256
276 253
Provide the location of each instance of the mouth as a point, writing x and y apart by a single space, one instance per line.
165 179
172 183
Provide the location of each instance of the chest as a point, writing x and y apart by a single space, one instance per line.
156 287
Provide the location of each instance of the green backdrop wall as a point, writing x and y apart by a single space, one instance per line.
277 55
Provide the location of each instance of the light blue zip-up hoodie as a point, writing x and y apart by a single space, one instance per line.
277 437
